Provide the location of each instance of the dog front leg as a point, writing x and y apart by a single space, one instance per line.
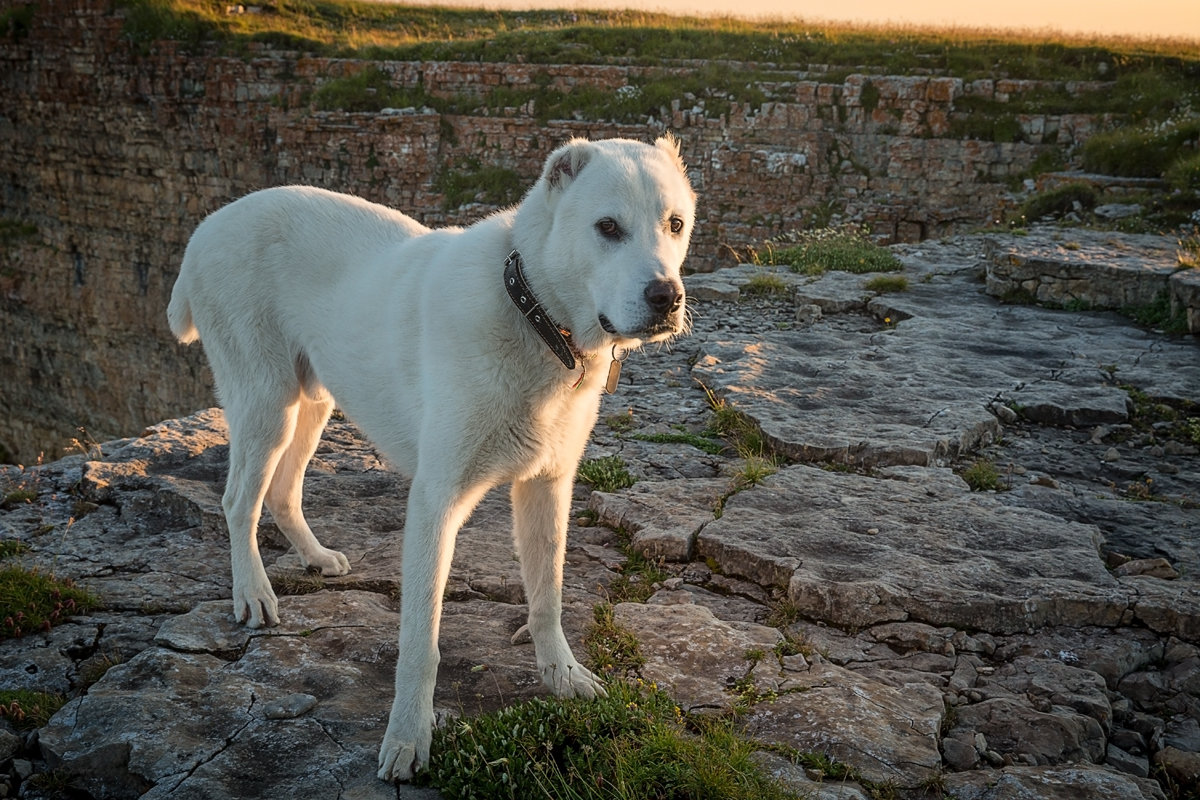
540 508
432 523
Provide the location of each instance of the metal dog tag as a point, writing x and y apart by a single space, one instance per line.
614 375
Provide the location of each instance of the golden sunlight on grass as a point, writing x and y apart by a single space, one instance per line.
351 27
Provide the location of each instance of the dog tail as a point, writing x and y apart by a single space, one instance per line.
179 313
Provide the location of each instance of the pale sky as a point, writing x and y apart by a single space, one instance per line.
1142 18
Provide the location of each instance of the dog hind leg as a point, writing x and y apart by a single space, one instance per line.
260 432
285 493
540 507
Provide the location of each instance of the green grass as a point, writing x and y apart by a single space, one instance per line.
631 745
26 710
477 183
361 29
622 422
1142 94
714 87
638 575
611 649
753 471
982 476
847 249
608 474
707 62
744 437
12 547
700 442
15 22
1059 201
17 497
1163 421
735 427
1158 315
886 284
1144 151
1191 430
764 284
31 601
370 89
1183 174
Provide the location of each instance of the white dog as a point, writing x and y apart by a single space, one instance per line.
471 357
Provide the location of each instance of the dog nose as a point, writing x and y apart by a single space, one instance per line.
663 296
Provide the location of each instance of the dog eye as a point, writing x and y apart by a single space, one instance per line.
609 228
676 224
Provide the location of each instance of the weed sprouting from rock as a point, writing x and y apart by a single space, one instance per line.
983 476
607 474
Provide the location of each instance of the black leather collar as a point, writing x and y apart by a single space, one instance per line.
556 337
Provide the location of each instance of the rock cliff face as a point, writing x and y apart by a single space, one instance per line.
114 153
1041 641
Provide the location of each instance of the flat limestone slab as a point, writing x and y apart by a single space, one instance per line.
196 715
855 551
888 732
923 387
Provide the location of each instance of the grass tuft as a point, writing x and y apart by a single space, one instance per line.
700 442
1059 201
1151 69
371 89
639 574
13 230
1143 151
611 649
12 547
982 476
607 474
17 497
478 183
31 601
27 710
846 249
622 422
1159 315
886 284
765 284
633 744
735 427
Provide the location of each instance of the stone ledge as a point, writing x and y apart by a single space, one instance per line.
1100 270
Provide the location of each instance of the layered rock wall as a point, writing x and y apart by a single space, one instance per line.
112 152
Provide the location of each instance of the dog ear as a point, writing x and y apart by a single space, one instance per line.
670 145
565 163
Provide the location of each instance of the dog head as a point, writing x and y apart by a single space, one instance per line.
613 218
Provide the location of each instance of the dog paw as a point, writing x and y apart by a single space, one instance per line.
255 607
572 680
330 562
403 753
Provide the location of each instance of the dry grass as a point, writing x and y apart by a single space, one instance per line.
352 27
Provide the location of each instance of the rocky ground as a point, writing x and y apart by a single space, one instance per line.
1036 640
